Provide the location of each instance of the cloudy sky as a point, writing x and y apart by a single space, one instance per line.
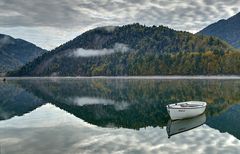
49 23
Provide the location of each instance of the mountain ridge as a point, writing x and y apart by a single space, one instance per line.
14 53
226 29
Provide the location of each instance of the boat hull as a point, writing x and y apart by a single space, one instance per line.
182 113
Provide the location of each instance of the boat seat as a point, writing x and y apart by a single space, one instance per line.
189 105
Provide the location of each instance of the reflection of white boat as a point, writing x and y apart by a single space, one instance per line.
186 109
179 126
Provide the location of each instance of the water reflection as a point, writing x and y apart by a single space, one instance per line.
51 130
16 101
132 104
178 126
84 101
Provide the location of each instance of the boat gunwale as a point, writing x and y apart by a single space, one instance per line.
169 107
174 106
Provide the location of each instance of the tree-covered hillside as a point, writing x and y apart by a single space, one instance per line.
136 50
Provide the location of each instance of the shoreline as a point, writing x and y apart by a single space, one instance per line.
170 77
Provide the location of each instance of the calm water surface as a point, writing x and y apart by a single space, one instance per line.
73 116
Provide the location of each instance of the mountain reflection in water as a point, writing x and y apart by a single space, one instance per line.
84 112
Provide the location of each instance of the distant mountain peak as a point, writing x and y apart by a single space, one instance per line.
5 40
16 52
228 30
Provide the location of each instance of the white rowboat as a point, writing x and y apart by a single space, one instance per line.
186 109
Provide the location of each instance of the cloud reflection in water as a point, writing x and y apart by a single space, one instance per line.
81 101
49 129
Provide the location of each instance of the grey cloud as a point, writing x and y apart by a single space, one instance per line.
77 16
38 13
60 13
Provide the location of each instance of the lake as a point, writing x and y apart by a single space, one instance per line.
101 115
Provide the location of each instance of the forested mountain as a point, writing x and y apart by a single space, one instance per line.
228 30
136 50
14 53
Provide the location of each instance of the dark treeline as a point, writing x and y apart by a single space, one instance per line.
207 63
